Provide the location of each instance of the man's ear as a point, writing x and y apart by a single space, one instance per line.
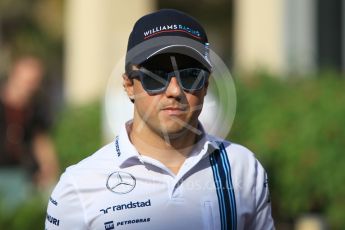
128 86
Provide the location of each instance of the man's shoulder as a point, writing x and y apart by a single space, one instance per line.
88 173
233 150
245 167
102 159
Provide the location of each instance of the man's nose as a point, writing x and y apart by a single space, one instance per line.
173 89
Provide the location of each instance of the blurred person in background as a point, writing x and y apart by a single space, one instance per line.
27 155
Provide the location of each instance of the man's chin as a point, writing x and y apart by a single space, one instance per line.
174 132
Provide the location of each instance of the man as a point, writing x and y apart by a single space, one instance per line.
163 171
27 155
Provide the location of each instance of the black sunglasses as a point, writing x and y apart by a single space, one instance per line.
157 81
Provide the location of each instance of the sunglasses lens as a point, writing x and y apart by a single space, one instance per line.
154 80
193 78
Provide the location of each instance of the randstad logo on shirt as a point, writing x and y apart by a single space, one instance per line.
130 205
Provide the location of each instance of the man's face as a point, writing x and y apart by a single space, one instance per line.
173 111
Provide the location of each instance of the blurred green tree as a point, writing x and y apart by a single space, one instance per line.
296 126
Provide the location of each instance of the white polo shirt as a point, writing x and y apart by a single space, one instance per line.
220 186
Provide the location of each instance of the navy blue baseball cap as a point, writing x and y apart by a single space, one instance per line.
167 31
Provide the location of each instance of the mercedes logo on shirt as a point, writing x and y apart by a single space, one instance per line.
121 182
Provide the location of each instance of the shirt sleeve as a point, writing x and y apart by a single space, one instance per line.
65 209
263 216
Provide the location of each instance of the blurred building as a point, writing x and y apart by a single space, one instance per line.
289 36
96 37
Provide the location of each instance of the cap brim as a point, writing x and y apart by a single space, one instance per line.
185 50
163 45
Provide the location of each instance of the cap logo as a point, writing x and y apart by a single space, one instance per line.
207 51
171 28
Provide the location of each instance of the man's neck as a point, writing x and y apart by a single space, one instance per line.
171 151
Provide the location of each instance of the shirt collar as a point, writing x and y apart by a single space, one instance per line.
206 145
126 153
125 150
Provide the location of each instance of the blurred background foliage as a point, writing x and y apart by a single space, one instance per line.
296 127
78 133
32 26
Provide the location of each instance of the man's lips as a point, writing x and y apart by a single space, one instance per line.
174 110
